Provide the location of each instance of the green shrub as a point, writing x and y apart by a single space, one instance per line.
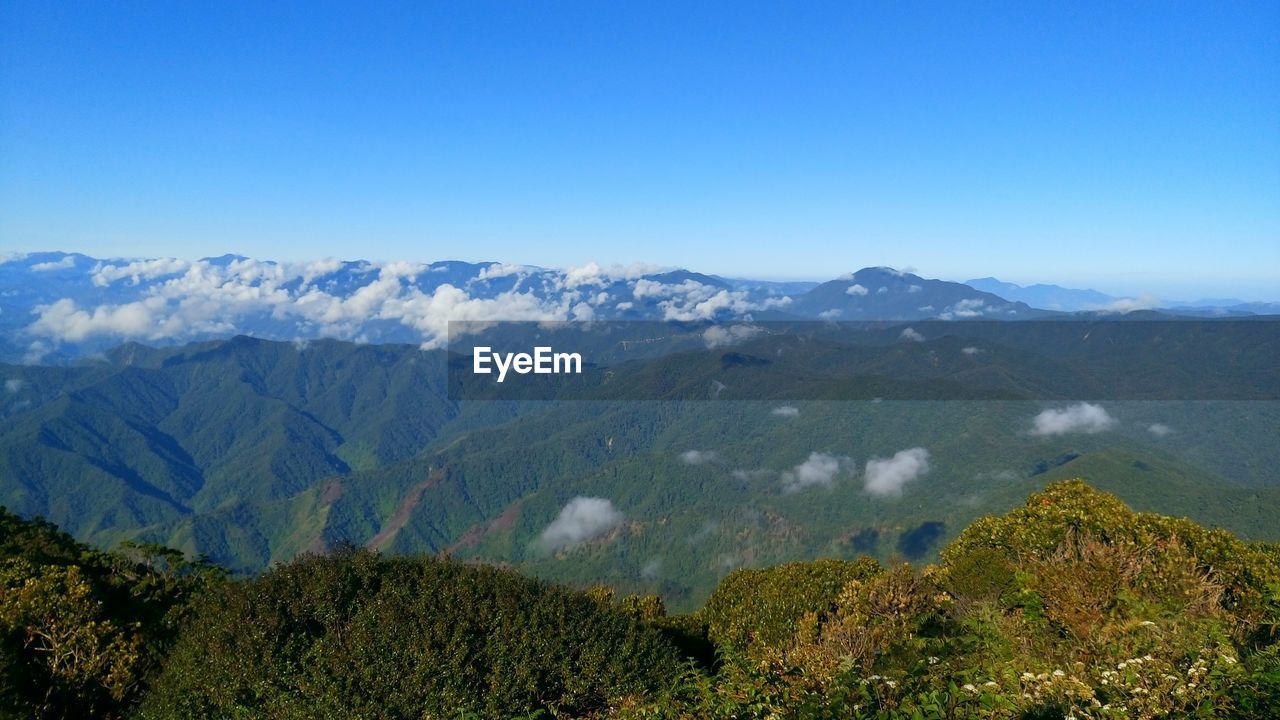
82 632
764 605
1176 554
357 635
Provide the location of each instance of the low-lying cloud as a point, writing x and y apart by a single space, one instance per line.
699 457
1123 306
582 519
1079 418
66 263
786 411
820 470
177 300
1159 429
886 477
721 335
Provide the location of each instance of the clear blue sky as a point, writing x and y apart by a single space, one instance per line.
1123 145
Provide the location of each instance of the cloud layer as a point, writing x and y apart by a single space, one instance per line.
174 300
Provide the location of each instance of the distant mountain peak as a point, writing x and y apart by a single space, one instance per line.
1041 295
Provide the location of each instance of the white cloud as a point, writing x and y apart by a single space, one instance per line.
497 270
594 274
820 470
831 314
1160 429
722 335
178 300
1121 306
651 570
312 269
14 385
911 334
914 288
883 289
691 301
855 289
886 477
967 308
699 457
582 519
138 270
1079 418
67 262
787 411
36 352
65 321
971 350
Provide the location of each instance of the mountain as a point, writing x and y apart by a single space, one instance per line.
58 306
1040 295
253 451
882 293
1225 308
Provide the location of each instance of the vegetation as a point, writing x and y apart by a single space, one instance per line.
764 605
1072 605
353 634
82 633
254 452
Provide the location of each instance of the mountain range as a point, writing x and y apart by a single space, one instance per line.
55 307
252 451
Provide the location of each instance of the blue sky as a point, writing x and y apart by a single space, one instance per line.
1127 146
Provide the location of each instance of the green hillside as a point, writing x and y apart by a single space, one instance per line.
252 452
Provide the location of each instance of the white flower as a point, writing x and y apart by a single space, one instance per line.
970 687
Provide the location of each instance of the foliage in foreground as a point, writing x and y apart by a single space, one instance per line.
83 632
353 634
1070 606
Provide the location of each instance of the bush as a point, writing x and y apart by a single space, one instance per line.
82 632
356 635
764 605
